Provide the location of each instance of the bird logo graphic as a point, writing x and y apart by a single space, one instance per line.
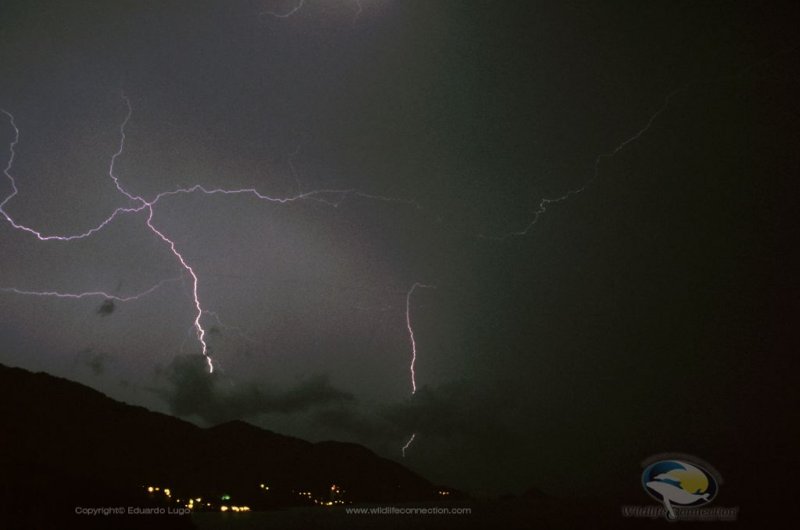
679 484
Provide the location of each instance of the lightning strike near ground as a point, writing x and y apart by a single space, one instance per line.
245 217
411 337
408 444
331 197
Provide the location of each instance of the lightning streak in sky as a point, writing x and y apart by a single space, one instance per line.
411 333
288 13
201 332
332 197
548 201
413 349
14 191
408 444
87 294
142 205
543 204
315 195
299 5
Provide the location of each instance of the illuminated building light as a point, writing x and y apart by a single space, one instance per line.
150 489
223 508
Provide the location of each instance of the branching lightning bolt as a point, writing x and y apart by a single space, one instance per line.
137 204
542 208
548 201
142 205
87 294
332 197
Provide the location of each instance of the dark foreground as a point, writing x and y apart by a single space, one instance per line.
541 514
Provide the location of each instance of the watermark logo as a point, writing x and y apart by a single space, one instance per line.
684 486
679 483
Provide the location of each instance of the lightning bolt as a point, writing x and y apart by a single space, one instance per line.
411 333
148 206
143 205
413 341
315 195
138 204
87 294
287 14
14 191
542 208
299 5
408 444
549 201
201 332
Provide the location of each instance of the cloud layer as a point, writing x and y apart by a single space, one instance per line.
192 391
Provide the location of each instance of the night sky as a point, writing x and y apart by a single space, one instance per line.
560 342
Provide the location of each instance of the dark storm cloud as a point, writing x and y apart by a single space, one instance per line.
445 410
193 391
451 411
95 361
106 308
468 431
97 364
348 420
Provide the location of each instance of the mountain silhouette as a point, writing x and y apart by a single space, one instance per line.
64 445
